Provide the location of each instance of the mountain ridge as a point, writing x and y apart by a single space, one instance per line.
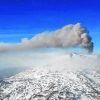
57 77
40 84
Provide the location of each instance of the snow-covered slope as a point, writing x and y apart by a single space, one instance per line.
50 83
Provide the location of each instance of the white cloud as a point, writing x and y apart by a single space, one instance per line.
54 60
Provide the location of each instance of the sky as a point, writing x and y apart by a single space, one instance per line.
26 18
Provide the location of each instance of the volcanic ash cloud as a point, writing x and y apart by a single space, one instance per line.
67 37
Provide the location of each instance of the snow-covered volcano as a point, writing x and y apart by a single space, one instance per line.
63 77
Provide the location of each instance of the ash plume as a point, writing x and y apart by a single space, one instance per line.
69 36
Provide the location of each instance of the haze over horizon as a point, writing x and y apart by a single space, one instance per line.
26 26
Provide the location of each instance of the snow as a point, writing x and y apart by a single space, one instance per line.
63 77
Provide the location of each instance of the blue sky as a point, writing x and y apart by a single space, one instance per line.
25 18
